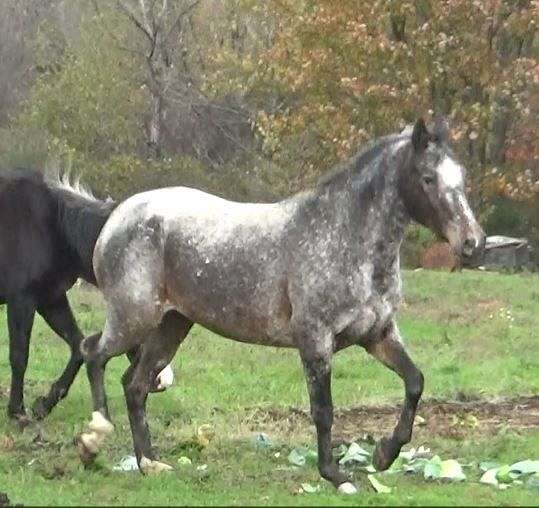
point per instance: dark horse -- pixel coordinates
(48, 231)
(318, 272)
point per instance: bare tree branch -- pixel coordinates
(145, 20)
(134, 19)
(177, 22)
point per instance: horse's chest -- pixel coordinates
(372, 313)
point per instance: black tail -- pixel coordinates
(81, 217)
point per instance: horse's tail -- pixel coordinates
(81, 216)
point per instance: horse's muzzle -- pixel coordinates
(474, 245)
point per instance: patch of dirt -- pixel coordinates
(456, 419)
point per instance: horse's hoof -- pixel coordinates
(20, 418)
(87, 457)
(88, 443)
(163, 380)
(384, 454)
(148, 466)
(100, 424)
(40, 408)
(347, 488)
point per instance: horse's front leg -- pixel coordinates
(317, 366)
(389, 349)
(20, 318)
(60, 318)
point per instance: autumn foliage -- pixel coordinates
(345, 72)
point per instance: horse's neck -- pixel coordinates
(80, 223)
(366, 212)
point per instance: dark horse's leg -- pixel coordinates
(59, 317)
(390, 351)
(20, 318)
(156, 352)
(318, 374)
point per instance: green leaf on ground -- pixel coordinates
(489, 477)
(377, 486)
(533, 481)
(525, 467)
(487, 465)
(297, 457)
(355, 454)
(262, 440)
(433, 468)
(310, 489)
(184, 461)
(437, 468)
(452, 470)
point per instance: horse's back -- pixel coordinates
(204, 215)
(26, 230)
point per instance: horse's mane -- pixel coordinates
(80, 217)
(360, 160)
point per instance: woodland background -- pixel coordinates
(254, 100)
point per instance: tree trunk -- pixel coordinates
(155, 124)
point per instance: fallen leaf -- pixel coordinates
(205, 434)
(127, 463)
(489, 477)
(355, 454)
(420, 421)
(487, 465)
(533, 481)
(452, 470)
(262, 440)
(377, 486)
(184, 461)
(525, 467)
(433, 468)
(309, 489)
(504, 475)
(296, 457)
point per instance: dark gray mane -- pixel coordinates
(345, 171)
(80, 218)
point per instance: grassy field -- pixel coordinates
(474, 335)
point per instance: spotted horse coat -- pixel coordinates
(318, 272)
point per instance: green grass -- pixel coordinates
(446, 320)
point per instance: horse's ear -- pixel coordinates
(441, 129)
(420, 135)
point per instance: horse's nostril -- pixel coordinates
(468, 247)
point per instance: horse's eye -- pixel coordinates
(428, 180)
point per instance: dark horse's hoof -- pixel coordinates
(87, 456)
(20, 417)
(385, 453)
(40, 408)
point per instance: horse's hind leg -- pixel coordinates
(97, 350)
(162, 381)
(20, 317)
(390, 351)
(60, 318)
(156, 353)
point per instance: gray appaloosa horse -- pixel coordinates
(318, 272)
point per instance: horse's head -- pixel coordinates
(432, 188)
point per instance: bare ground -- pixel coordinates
(455, 419)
